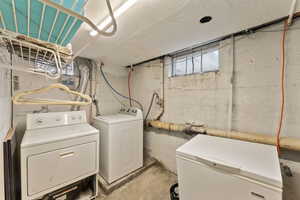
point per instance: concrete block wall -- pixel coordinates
(244, 95)
(28, 81)
(109, 103)
(5, 117)
(5, 102)
(24, 81)
(256, 87)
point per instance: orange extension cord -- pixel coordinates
(282, 80)
(129, 89)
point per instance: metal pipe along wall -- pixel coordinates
(289, 143)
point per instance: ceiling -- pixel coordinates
(156, 27)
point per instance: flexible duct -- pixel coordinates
(151, 104)
(162, 91)
(289, 143)
(96, 103)
(83, 83)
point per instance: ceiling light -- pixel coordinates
(117, 13)
(205, 19)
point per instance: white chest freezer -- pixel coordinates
(223, 169)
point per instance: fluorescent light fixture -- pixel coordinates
(125, 6)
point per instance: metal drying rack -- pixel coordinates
(40, 48)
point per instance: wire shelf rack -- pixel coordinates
(21, 55)
(36, 19)
(34, 34)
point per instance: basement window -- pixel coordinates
(196, 61)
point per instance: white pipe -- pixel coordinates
(54, 22)
(85, 19)
(42, 21)
(162, 99)
(107, 22)
(2, 21)
(65, 23)
(289, 143)
(292, 10)
(28, 17)
(14, 15)
(68, 32)
(84, 74)
(21, 48)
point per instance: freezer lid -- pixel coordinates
(116, 118)
(251, 160)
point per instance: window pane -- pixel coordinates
(189, 67)
(197, 63)
(210, 60)
(180, 66)
(200, 60)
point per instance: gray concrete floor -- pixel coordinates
(153, 184)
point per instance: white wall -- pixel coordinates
(30, 81)
(25, 81)
(204, 98)
(253, 96)
(108, 102)
(5, 116)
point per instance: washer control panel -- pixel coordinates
(131, 111)
(46, 120)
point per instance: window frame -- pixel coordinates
(191, 53)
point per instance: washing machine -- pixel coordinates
(58, 150)
(121, 143)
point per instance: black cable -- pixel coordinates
(150, 106)
(278, 30)
(118, 93)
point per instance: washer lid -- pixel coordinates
(116, 118)
(35, 137)
(255, 161)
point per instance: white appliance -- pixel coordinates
(217, 169)
(121, 143)
(58, 149)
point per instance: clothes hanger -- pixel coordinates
(20, 99)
